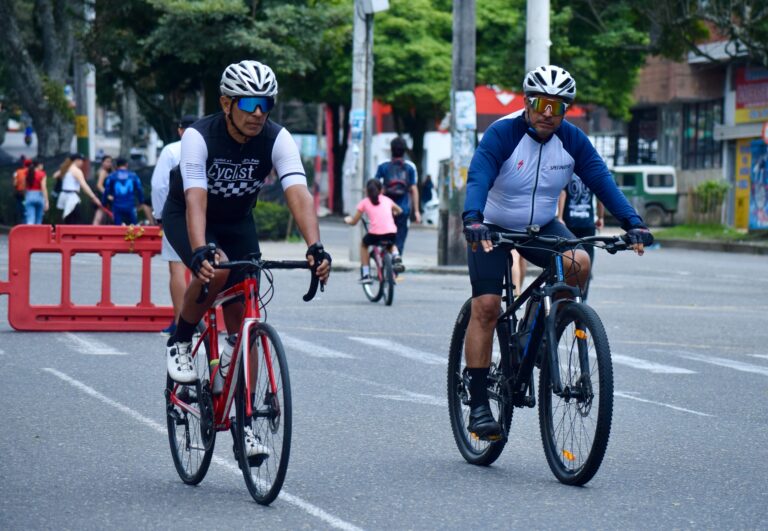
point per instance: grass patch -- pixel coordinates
(709, 232)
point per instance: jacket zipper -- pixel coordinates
(535, 184)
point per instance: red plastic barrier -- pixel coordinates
(24, 240)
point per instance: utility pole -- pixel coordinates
(451, 246)
(357, 164)
(537, 41)
(85, 97)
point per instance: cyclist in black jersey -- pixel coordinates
(225, 160)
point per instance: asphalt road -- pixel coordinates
(83, 442)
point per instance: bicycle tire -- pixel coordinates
(388, 283)
(272, 419)
(476, 452)
(375, 290)
(192, 448)
(567, 423)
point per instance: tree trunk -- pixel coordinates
(129, 119)
(40, 88)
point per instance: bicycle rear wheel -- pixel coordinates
(271, 422)
(475, 451)
(576, 424)
(375, 290)
(388, 280)
(190, 427)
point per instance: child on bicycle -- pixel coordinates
(381, 212)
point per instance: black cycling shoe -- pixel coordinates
(483, 425)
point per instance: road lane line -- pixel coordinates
(312, 349)
(670, 406)
(395, 393)
(313, 510)
(761, 356)
(728, 363)
(88, 345)
(646, 365)
(402, 350)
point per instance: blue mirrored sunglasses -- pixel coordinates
(250, 104)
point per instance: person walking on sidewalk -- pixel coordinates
(169, 158)
(105, 168)
(122, 190)
(400, 184)
(380, 210)
(36, 200)
(72, 181)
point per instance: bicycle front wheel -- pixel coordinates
(271, 422)
(375, 290)
(576, 423)
(189, 415)
(388, 282)
(475, 451)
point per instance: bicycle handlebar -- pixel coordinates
(257, 264)
(612, 244)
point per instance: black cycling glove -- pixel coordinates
(201, 254)
(475, 231)
(318, 252)
(637, 235)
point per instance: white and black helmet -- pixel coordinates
(551, 80)
(248, 78)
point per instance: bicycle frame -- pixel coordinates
(541, 292)
(248, 288)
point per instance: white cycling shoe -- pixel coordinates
(180, 366)
(253, 446)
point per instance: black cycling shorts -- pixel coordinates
(375, 239)
(237, 239)
(486, 270)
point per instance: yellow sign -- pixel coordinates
(742, 180)
(81, 126)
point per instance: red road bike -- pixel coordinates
(258, 384)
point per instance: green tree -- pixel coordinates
(412, 69)
(37, 49)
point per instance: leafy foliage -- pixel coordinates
(271, 220)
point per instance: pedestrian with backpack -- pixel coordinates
(122, 190)
(398, 176)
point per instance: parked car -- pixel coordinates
(651, 189)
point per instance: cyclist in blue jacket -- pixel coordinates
(122, 189)
(522, 163)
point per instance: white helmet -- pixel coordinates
(248, 78)
(551, 80)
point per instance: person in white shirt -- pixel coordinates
(169, 158)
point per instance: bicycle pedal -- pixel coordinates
(490, 438)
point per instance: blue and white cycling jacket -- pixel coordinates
(515, 180)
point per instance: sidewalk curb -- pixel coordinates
(715, 246)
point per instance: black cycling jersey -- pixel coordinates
(231, 172)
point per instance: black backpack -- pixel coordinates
(396, 180)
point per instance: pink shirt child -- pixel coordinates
(380, 219)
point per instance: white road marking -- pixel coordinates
(725, 362)
(761, 356)
(312, 349)
(646, 365)
(670, 406)
(416, 398)
(87, 345)
(312, 510)
(403, 350)
(395, 393)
